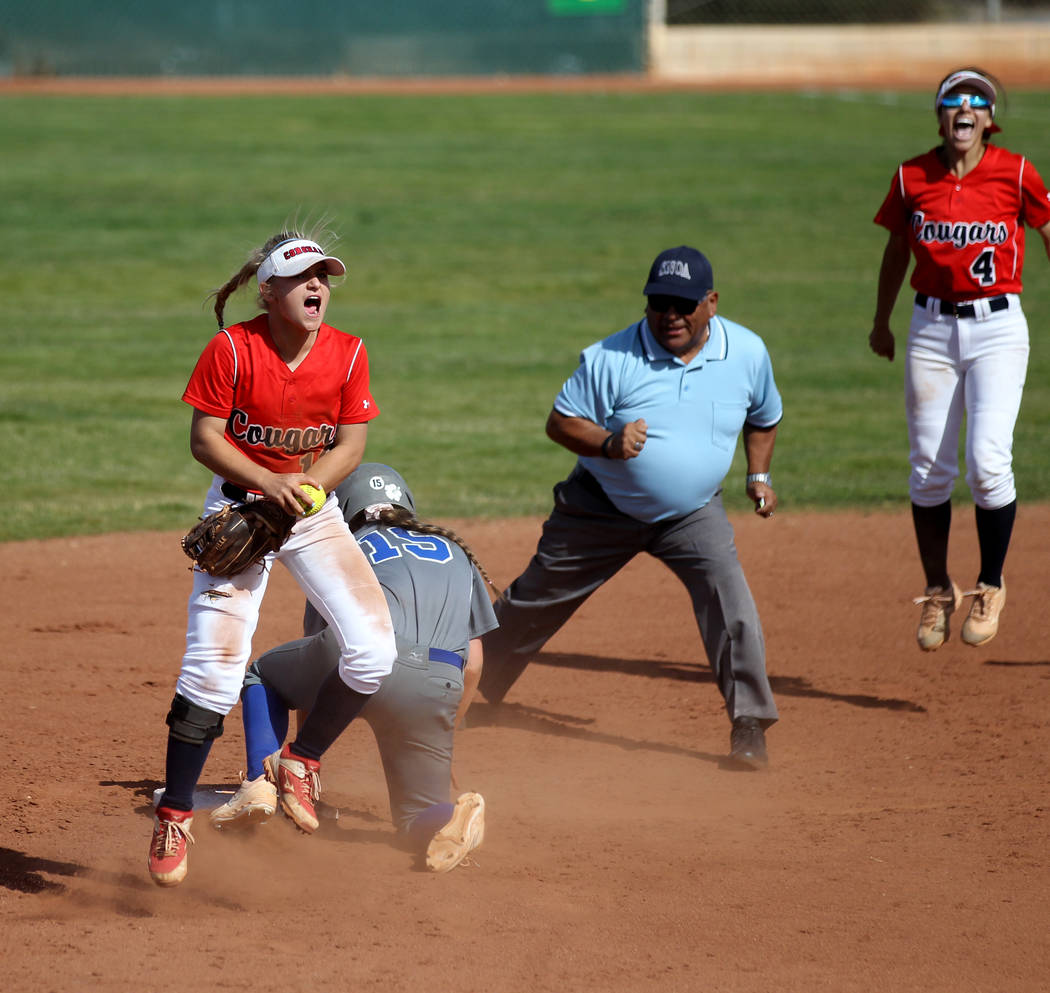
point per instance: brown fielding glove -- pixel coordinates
(238, 536)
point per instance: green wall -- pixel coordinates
(326, 37)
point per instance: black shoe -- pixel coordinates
(747, 744)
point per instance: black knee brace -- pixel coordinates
(192, 724)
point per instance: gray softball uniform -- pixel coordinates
(438, 602)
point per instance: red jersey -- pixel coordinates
(280, 418)
(967, 235)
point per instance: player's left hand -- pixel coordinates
(237, 536)
(882, 342)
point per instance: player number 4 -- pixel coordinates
(983, 268)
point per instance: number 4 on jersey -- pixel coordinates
(983, 268)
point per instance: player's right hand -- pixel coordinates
(881, 342)
(283, 489)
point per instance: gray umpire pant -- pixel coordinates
(585, 542)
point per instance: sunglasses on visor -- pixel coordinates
(975, 100)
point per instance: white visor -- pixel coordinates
(967, 77)
(291, 257)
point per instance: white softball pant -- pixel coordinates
(331, 570)
(964, 365)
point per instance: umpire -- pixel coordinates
(654, 413)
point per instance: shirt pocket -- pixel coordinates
(726, 421)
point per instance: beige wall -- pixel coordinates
(854, 55)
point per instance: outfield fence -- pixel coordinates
(323, 38)
(715, 40)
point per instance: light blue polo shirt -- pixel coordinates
(694, 413)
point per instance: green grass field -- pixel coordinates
(489, 238)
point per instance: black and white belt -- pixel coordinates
(948, 308)
(237, 493)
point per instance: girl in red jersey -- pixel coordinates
(278, 401)
(961, 209)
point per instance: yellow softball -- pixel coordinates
(316, 494)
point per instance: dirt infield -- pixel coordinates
(898, 842)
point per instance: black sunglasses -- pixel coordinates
(682, 305)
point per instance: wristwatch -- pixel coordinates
(759, 477)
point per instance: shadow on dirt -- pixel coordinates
(22, 873)
(1020, 665)
(525, 718)
(695, 673)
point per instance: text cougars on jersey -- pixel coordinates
(291, 440)
(958, 233)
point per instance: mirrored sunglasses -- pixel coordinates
(975, 100)
(682, 305)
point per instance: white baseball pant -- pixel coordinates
(964, 365)
(331, 570)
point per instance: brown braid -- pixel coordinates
(402, 517)
(251, 267)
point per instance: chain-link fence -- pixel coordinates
(851, 11)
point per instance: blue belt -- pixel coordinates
(414, 654)
(440, 655)
(948, 308)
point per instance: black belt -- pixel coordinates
(235, 493)
(238, 494)
(964, 309)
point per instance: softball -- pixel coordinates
(316, 494)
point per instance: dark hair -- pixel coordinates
(402, 517)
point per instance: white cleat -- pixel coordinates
(464, 832)
(255, 802)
